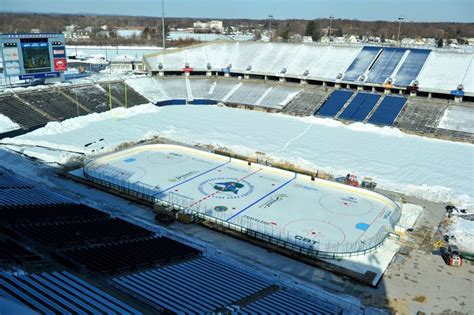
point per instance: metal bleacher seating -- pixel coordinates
(197, 286)
(334, 103)
(53, 103)
(361, 63)
(60, 293)
(411, 67)
(80, 233)
(117, 90)
(360, 106)
(283, 302)
(117, 257)
(388, 110)
(20, 113)
(385, 65)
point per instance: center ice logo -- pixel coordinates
(228, 187)
(225, 188)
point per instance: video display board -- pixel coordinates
(32, 56)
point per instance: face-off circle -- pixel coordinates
(315, 231)
(226, 188)
(346, 204)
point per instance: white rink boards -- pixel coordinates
(324, 215)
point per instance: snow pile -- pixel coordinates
(90, 143)
(432, 169)
(460, 118)
(6, 124)
(463, 231)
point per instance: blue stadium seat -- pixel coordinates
(361, 63)
(179, 287)
(388, 110)
(385, 65)
(411, 67)
(60, 293)
(334, 103)
(360, 106)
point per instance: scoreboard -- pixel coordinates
(33, 56)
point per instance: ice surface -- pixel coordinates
(409, 164)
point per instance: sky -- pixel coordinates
(390, 10)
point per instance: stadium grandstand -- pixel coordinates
(114, 253)
(46, 234)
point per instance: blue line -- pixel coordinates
(265, 196)
(189, 179)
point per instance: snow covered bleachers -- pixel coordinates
(283, 302)
(411, 66)
(361, 63)
(372, 65)
(20, 113)
(198, 286)
(149, 88)
(444, 71)
(388, 110)
(175, 88)
(360, 106)
(385, 65)
(334, 103)
(60, 293)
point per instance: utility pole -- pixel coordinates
(400, 20)
(163, 23)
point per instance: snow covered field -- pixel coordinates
(6, 124)
(432, 169)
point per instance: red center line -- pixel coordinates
(219, 191)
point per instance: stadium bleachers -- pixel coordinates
(179, 288)
(305, 103)
(388, 110)
(118, 91)
(421, 115)
(248, 93)
(175, 87)
(385, 65)
(53, 103)
(411, 67)
(279, 96)
(283, 302)
(64, 211)
(361, 63)
(200, 88)
(93, 97)
(11, 252)
(117, 257)
(60, 293)
(334, 103)
(80, 233)
(21, 113)
(360, 106)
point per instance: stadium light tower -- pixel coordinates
(330, 26)
(400, 20)
(163, 23)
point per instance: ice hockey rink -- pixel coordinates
(324, 215)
